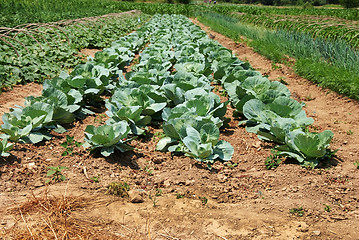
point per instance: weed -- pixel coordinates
(118, 189)
(297, 211)
(204, 200)
(281, 80)
(100, 118)
(136, 61)
(216, 89)
(148, 170)
(223, 93)
(69, 145)
(231, 165)
(308, 97)
(327, 208)
(356, 163)
(153, 199)
(158, 192)
(275, 66)
(178, 195)
(55, 173)
(159, 135)
(316, 128)
(309, 165)
(95, 179)
(350, 132)
(340, 179)
(273, 161)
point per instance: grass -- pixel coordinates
(329, 64)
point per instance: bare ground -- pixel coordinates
(243, 202)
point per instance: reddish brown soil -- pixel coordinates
(244, 202)
(17, 96)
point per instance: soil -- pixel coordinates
(175, 197)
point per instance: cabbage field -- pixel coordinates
(170, 84)
(168, 126)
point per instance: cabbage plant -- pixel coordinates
(5, 147)
(107, 138)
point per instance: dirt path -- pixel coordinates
(187, 200)
(17, 95)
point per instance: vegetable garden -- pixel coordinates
(162, 102)
(192, 114)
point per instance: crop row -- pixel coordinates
(327, 28)
(349, 14)
(171, 84)
(329, 64)
(36, 52)
(167, 86)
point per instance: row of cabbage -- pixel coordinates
(167, 86)
(270, 112)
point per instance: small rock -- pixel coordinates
(31, 165)
(39, 183)
(180, 182)
(257, 144)
(135, 197)
(222, 178)
(189, 182)
(157, 160)
(303, 227)
(317, 233)
(166, 183)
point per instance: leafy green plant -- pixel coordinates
(159, 135)
(273, 161)
(306, 147)
(327, 208)
(179, 195)
(356, 164)
(276, 66)
(5, 147)
(107, 138)
(153, 199)
(350, 132)
(158, 192)
(69, 145)
(100, 118)
(118, 189)
(55, 172)
(95, 179)
(223, 93)
(148, 170)
(297, 211)
(231, 165)
(26, 124)
(204, 200)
